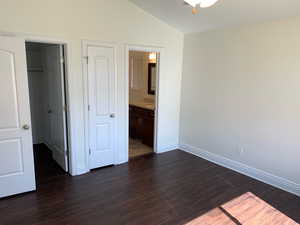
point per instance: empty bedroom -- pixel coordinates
(161, 112)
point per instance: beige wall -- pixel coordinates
(241, 96)
(117, 21)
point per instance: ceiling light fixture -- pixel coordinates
(200, 3)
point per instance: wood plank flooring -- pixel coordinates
(173, 188)
(247, 210)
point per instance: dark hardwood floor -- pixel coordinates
(172, 188)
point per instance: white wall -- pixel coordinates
(115, 21)
(241, 90)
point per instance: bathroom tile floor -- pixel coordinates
(137, 148)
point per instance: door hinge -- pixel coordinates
(62, 60)
(90, 152)
(67, 153)
(89, 108)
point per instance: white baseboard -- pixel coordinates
(81, 171)
(167, 149)
(257, 174)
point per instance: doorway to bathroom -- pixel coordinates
(143, 82)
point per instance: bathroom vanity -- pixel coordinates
(141, 123)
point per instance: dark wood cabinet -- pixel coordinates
(141, 124)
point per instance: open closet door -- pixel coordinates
(57, 104)
(16, 151)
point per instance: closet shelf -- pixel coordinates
(35, 70)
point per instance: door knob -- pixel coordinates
(26, 127)
(112, 115)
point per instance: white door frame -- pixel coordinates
(143, 48)
(66, 91)
(85, 45)
(48, 40)
(122, 67)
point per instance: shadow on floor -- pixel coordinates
(46, 168)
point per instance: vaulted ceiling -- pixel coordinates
(225, 13)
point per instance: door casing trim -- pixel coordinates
(143, 48)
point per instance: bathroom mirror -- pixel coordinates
(152, 71)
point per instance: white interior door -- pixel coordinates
(57, 104)
(101, 82)
(16, 151)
